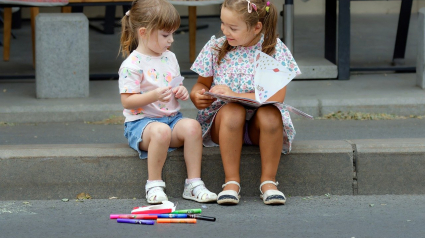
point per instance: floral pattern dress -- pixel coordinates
(237, 72)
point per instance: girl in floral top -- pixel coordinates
(152, 119)
(225, 66)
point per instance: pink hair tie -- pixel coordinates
(127, 13)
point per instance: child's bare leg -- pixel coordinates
(188, 133)
(227, 131)
(156, 140)
(266, 130)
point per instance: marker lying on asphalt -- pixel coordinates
(167, 220)
(196, 216)
(135, 221)
(189, 211)
(206, 218)
(134, 216)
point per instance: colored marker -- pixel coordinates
(172, 216)
(147, 216)
(134, 221)
(189, 211)
(133, 216)
(206, 218)
(167, 220)
(196, 216)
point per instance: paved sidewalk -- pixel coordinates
(377, 93)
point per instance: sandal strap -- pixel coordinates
(200, 192)
(150, 185)
(268, 182)
(232, 182)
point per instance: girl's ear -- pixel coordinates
(258, 27)
(142, 31)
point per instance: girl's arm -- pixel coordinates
(136, 100)
(279, 96)
(197, 96)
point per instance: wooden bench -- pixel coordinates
(67, 9)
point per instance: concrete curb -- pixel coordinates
(392, 94)
(94, 112)
(313, 168)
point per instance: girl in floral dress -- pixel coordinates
(225, 66)
(153, 122)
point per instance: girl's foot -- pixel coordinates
(155, 192)
(229, 196)
(197, 191)
(272, 196)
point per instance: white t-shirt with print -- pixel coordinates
(141, 73)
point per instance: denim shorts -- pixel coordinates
(133, 131)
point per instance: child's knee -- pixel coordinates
(192, 128)
(233, 115)
(161, 133)
(270, 119)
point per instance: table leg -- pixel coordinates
(402, 32)
(34, 13)
(344, 21)
(288, 24)
(66, 9)
(330, 30)
(192, 33)
(7, 32)
(109, 22)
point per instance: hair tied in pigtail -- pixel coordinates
(267, 6)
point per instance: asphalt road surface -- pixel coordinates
(387, 216)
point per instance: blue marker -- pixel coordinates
(171, 215)
(135, 221)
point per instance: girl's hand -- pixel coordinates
(222, 89)
(180, 92)
(200, 100)
(163, 94)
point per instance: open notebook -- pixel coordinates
(270, 77)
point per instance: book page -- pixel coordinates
(270, 76)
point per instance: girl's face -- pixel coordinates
(236, 30)
(158, 42)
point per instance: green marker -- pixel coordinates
(189, 211)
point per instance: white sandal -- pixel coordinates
(229, 196)
(202, 193)
(155, 192)
(272, 196)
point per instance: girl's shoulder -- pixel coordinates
(280, 46)
(169, 53)
(216, 42)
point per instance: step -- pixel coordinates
(313, 67)
(339, 167)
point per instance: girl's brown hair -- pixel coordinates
(266, 13)
(151, 14)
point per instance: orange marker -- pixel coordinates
(166, 220)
